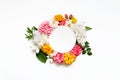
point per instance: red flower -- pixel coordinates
(62, 23)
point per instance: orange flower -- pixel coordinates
(46, 48)
(59, 17)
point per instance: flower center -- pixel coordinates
(62, 39)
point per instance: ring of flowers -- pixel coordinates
(40, 44)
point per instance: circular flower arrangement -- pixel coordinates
(40, 44)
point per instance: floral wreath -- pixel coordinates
(40, 44)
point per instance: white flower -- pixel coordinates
(80, 33)
(39, 39)
(69, 23)
(35, 49)
(50, 61)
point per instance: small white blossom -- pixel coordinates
(50, 61)
(35, 49)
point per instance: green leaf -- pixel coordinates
(34, 28)
(28, 30)
(87, 28)
(84, 52)
(86, 44)
(89, 53)
(88, 49)
(41, 56)
(26, 35)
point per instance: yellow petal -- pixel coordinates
(74, 20)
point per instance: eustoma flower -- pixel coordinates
(45, 28)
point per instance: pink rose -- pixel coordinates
(45, 28)
(77, 50)
(58, 58)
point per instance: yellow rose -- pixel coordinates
(46, 48)
(59, 17)
(69, 58)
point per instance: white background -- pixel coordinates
(17, 62)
